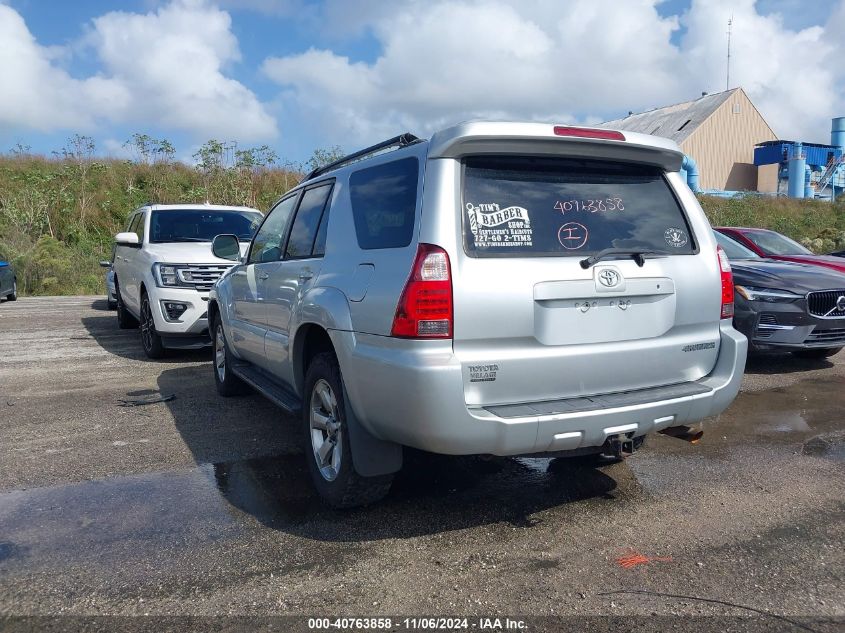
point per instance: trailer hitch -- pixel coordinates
(618, 446)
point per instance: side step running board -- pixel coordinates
(268, 388)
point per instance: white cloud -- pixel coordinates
(270, 7)
(165, 68)
(449, 60)
(790, 75)
(37, 93)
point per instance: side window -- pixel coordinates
(130, 221)
(307, 222)
(384, 202)
(322, 232)
(138, 227)
(267, 244)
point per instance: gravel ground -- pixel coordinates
(201, 505)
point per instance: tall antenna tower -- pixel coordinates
(728, 77)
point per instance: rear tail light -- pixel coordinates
(583, 132)
(425, 307)
(727, 284)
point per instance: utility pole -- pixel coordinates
(728, 78)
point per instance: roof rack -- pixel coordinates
(403, 140)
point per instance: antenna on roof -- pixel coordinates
(728, 77)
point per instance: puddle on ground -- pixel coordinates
(122, 518)
(808, 407)
(829, 445)
(133, 517)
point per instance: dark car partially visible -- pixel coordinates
(8, 282)
(786, 306)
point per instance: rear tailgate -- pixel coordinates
(532, 324)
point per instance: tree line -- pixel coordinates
(59, 213)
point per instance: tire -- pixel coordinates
(13, 296)
(150, 339)
(125, 321)
(323, 424)
(823, 352)
(228, 384)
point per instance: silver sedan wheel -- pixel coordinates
(326, 430)
(220, 353)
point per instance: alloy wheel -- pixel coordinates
(326, 438)
(148, 325)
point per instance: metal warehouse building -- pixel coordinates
(718, 131)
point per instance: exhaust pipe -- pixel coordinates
(684, 433)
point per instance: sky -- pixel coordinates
(298, 75)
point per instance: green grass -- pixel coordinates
(58, 216)
(818, 225)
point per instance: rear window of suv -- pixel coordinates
(518, 206)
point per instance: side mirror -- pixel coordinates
(105, 263)
(226, 247)
(127, 239)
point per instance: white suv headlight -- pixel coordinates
(167, 275)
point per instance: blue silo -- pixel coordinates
(797, 170)
(837, 132)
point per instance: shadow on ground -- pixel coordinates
(127, 343)
(259, 468)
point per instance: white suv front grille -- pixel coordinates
(202, 276)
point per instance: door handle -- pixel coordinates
(264, 276)
(305, 274)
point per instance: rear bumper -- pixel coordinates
(411, 392)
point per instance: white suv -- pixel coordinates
(164, 269)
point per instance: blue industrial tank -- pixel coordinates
(837, 132)
(797, 169)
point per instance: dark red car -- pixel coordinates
(773, 245)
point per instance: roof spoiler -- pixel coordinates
(537, 139)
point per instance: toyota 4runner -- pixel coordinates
(502, 288)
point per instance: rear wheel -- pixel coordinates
(824, 352)
(125, 321)
(228, 384)
(13, 296)
(150, 338)
(327, 447)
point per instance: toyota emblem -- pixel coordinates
(610, 278)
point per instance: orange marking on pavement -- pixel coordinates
(633, 559)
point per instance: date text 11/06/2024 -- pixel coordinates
(417, 624)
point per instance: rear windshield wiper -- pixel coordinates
(638, 255)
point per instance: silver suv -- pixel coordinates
(502, 288)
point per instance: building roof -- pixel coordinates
(676, 122)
